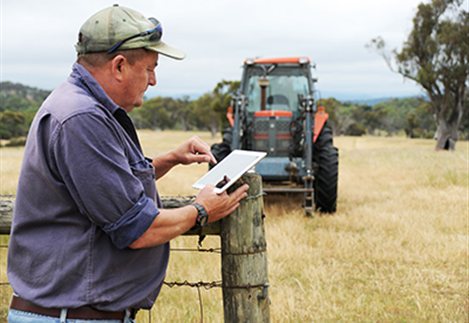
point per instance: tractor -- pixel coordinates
(275, 111)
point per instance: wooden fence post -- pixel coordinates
(244, 259)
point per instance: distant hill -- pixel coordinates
(19, 97)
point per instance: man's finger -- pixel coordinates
(238, 194)
(197, 158)
(232, 209)
(210, 158)
(203, 149)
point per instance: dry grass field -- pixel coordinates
(396, 250)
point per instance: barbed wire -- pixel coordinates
(205, 285)
(246, 253)
(262, 193)
(213, 284)
(209, 250)
(198, 285)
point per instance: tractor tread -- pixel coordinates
(326, 156)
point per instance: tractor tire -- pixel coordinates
(223, 149)
(326, 158)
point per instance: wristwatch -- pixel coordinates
(202, 215)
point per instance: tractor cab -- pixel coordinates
(274, 90)
(276, 85)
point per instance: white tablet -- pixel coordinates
(230, 169)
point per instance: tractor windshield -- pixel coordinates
(285, 86)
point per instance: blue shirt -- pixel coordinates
(85, 193)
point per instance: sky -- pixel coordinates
(37, 41)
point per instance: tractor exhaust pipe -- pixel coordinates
(263, 83)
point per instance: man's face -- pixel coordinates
(141, 75)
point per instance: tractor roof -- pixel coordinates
(278, 60)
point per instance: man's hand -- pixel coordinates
(194, 150)
(171, 223)
(220, 205)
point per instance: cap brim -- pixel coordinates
(166, 50)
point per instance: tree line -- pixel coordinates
(18, 105)
(204, 113)
(411, 117)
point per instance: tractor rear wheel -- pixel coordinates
(223, 149)
(326, 158)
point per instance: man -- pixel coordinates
(89, 238)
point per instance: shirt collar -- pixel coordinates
(81, 77)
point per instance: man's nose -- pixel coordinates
(152, 79)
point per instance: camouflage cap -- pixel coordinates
(120, 25)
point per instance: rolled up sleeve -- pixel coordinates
(133, 223)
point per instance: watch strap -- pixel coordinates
(202, 215)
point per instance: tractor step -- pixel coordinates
(287, 190)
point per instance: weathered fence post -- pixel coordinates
(244, 259)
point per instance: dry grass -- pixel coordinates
(396, 250)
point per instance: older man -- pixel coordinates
(89, 238)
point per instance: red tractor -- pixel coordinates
(275, 111)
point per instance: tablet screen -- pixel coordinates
(230, 169)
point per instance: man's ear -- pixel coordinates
(118, 67)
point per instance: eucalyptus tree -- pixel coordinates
(436, 56)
